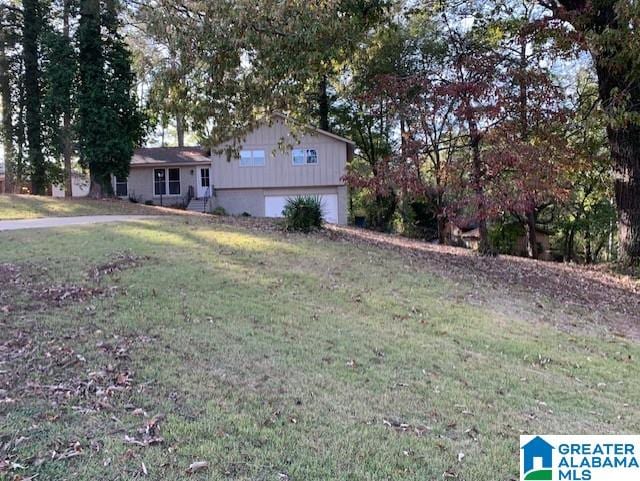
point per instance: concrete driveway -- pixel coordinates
(46, 222)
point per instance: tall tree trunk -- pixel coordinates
(588, 257)
(180, 129)
(624, 142)
(523, 100)
(95, 187)
(484, 247)
(7, 111)
(617, 76)
(67, 147)
(32, 17)
(532, 238)
(323, 104)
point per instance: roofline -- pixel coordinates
(316, 129)
(191, 163)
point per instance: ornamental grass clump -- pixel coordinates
(303, 213)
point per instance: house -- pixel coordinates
(537, 454)
(80, 185)
(169, 176)
(509, 239)
(273, 165)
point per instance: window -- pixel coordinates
(252, 158)
(174, 181)
(204, 177)
(166, 180)
(305, 156)
(121, 187)
(159, 179)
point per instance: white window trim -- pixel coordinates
(306, 157)
(264, 157)
(166, 182)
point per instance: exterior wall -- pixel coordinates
(80, 185)
(140, 185)
(238, 201)
(279, 170)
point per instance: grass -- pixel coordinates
(31, 207)
(277, 357)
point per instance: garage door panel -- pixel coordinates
(274, 205)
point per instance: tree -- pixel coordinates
(59, 68)
(242, 59)
(610, 29)
(9, 23)
(587, 220)
(31, 31)
(110, 124)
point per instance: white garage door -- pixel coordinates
(274, 204)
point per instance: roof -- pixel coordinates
(169, 156)
(315, 129)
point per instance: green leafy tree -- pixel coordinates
(59, 73)
(110, 123)
(32, 15)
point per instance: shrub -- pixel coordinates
(303, 213)
(148, 202)
(219, 211)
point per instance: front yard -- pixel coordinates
(135, 350)
(32, 207)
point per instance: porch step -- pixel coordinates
(197, 205)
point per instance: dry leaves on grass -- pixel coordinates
(149, 434)
(405, 428)
(121, 262)
(590, 288)
(28, 288)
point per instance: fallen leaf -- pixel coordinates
(197, 466)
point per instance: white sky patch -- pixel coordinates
(467, 23)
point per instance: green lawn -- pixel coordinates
(277, 357)
(31, 206)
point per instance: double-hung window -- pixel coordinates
(252, 158)
(122, 189)
(174, 181)
(166, 181)
(305, 156)
(159, 182)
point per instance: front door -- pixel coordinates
(203, 183)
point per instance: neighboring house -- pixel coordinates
(468, 235)
(257, 183)
(80, 185)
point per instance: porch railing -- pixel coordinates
(206, 197)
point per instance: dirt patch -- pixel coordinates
(574, 288)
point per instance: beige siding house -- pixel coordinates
(166, 176)
(274, 164)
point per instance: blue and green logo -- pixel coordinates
(537, 459)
